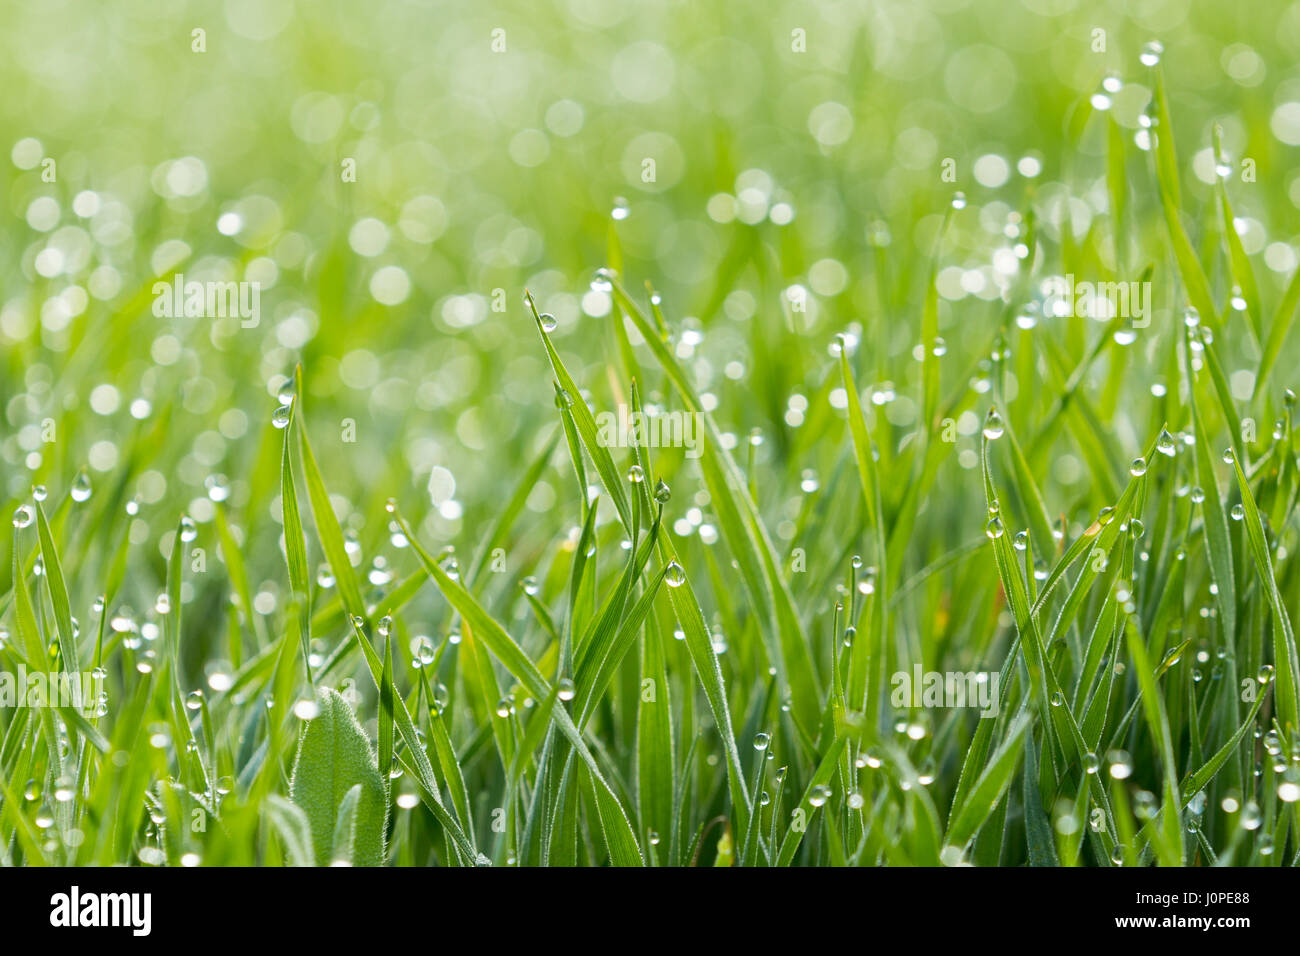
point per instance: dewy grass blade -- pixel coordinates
(68, 658)
(620, 839)
(1214, 517)
(295, 544)
(1285, 665)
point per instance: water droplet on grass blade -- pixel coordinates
(1251, 817)
(549, 322)
(674, 575)
(81, 489)
(422, 651)
(218, 487)
(1121, 764)
(280, 417)
(993, 426)
(306, 709)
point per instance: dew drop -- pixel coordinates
(423, 651)
(993, 426)
(1151, 53)
(80, 490)
(1251, 817)
(662, 492)
(218, 487)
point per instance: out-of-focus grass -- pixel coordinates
(513, 632)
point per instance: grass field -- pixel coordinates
(656, 434)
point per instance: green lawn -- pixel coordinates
(649, 434)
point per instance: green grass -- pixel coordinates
(366, 584)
